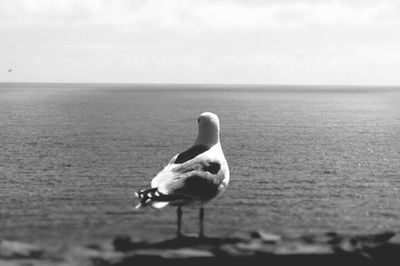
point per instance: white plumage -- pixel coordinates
(194, 177)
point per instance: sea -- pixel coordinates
(303, 159)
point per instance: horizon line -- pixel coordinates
(161, 84)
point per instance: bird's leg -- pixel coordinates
(179, 222)
(201, 218)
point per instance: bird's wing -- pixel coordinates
(173, 159)
(189, 154)
(200, 177)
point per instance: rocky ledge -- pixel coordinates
(259, 248)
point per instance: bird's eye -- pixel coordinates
(198, 120)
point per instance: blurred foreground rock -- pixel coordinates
(259, 248)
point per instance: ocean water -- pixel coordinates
(302, 159)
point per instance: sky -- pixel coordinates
(342, 42)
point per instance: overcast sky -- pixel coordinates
(175, 41)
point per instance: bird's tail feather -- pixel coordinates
(151, 197)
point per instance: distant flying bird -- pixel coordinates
(10, 70)
(191, 178)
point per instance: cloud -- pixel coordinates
(269, 41)
(297, 65)
(196, 15)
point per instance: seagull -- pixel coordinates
(192, 178)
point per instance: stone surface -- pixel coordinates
(259, 248)
(14, 249)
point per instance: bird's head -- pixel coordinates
(208, 133)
